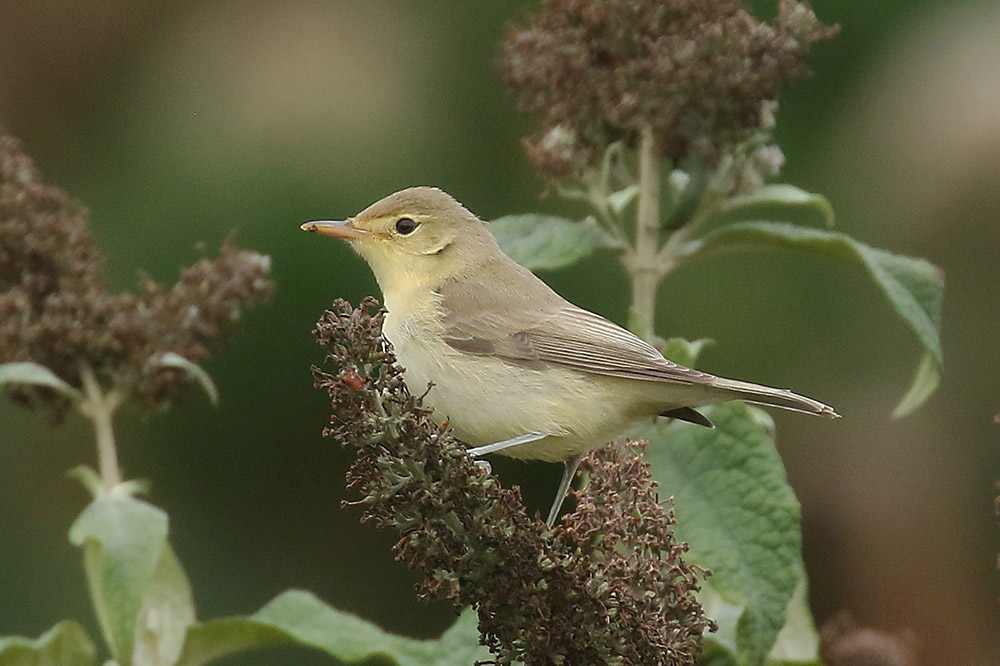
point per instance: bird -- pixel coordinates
(515, 368)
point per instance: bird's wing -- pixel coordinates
(542, 329)
(512, 315)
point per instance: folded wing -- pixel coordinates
(525, 324)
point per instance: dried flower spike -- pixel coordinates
(56, 311)
(703, 76)
(608, 586)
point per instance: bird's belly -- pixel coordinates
(487, 400)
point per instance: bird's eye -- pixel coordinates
(405, 225)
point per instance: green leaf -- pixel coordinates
(299, 617)
(798, 640)
(720, 645)
(36, 375)
(797, 643)
(778, 202)
(542, 242)
(914, 287)
(195, 371)
(65, 644)
(88, 478)
(619, 201)
(738, 513)
(167, 612)
(926, 381)
(123, 541)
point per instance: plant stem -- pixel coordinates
(100, 408)
(598, 199)
(642, 263)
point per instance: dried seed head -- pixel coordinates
(704, 76)
(56, 311)
(609, 586)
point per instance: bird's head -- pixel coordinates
(414, 235)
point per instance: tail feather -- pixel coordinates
(773, 397)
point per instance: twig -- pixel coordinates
(99, 408)
(643, 264)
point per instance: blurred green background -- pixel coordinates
(177, 122)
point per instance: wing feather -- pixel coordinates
(578, 339)
(516, 317)
(541, 328)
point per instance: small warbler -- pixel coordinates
(516, 369)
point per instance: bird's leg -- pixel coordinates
(506, 444)
(569, 471)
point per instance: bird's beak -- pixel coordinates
(337, 228)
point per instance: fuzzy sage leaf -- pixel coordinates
(778, 202)
(544, 242)
(123, 541)
(193, 370)
(65, 644)
(33, 374)
(167, 612)
(914, 287)
(297, 617)
(925, 382)
(798, 641)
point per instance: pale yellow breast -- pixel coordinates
(487, 400)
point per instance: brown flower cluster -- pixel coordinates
(56, 311)
(703, 76)
(607, 586)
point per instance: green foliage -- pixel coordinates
(299, 617)
(914, 287)
(797, 643)
(738, 513)
(123, 541)
(925, 382)
(166, 614)
(143, 601)
(33, 374)
(65, 644)
(193, 370)
(620, 200)
(543, 242)
(798, 640)
(776, 202)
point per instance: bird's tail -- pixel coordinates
(773, 397)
